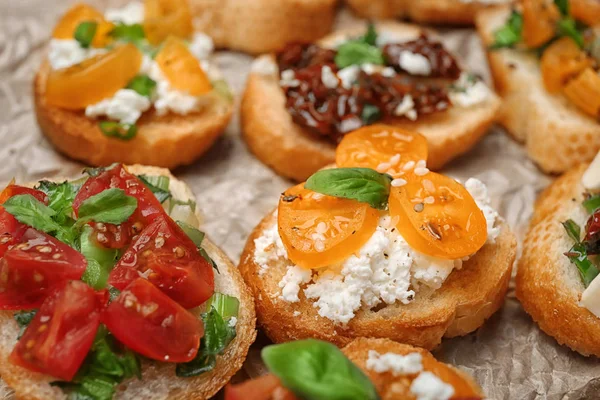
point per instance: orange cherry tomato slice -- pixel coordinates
(539, 21)
(380, 147)
(182, 69)
(587, 11)
(94, 79)
(319, 230)
(437, 216)
(584, 92)
(561, 61)
(164, 18)
(65, 29)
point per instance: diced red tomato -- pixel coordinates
(149, 322)
(167, 257)
(593, 226)
(262, 388)
(11, 230)
(116, 237)
(60, 335)
(32, 268)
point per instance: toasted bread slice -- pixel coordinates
(168, 141)
(451, 12)
(556, 133)
(158, 379)
(392, 387)
(467, 298)
(296, 153)
(548, 285)
(265, 25)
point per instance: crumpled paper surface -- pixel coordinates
(509, 356)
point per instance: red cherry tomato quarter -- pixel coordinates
(149, 322)
(30, 269)
(60, 335)
(116, 237)
(167, 257)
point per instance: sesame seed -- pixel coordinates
(428, 185)
(381, 134)
(44, 249)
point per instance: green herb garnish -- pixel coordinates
(159, 185)
(128, 33)
(197, 237)
(143, 85)
(23, 319)
(578, 254)
(118, 130)
(511, 33)
(85, 32)
(362, 50)
(111, 206)
(100, 260)
(370, 114)
(568, 27)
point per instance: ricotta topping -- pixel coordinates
(132, 13)
(386, 269)
(126, 106)
(406, 108)
(329, 78)
(264, 65)
(397, 364)
(428, 386)
(64, 53)
(415, 64)
(591, 176)
(201, 46)
(469, 91)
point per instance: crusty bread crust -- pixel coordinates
(557, 134)
(547, 284)
(467, 298)
(450, 12)
(168, 141)
(261, 26)
(390, 387)
(159, 380)
(296, 153)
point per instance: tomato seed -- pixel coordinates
(42, 328)
(5, 239)
(44, 249)
(137, 227)
(38, 277)
(30, 343)
(56, 256)
(419, 207)
(179, 252)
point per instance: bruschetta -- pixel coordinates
(300, 103)
(379, 246)
(544, 58)
(366, 369)
(109, 290)
(132, 85)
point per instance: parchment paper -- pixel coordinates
(509, 356)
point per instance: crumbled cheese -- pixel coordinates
(414, 63)
(350, 124)
(479, 192)
(469, 91)
(428, 386)
(66, 53)
(388, 72)
(591, 177)
(132, 13)
(291, 282)
(232, 322)
(201, 46)
(397, 364)
(126, 106)
(288, 79)
(348, 75)
(264, 65)
(268, 247)
(167, 99)
(328, 77)
(406, 108)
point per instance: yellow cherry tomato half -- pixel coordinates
(164, 18)
(539, 21)
(182, 69)
(94, 79)
(383, 148)
(319, 230)
(560, 62)
(65, 29)
(437, 216)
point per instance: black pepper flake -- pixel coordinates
(288, 199)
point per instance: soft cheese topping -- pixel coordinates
(397, 364)
(386, 269)
(591, 177)
(428, 386)
(132, 13)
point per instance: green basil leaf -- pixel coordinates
(222, 88)
(578, 256)
(356, 52)
(159, 185)
(23, 319)
(60, 197)
(511, 33)
(118, 130)
(573, 230)
(197, 237)
(227, 306)
(316, 370)
(563, 6)
(111, 206)
(143, 85)
(360, 184)
(370, 37)
(370, 114)
(100, 260)
(113, 293)
(85, 32)
(29, 211)
(568, 27)
(592, 204)
(128, 33)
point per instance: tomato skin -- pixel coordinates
(60, 335)
(14, 190)
(262, 388)
(171, 262)
(149, 322)
(31, 269)
(148, 208)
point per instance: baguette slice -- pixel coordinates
(451, 12)
(262, 26)
(392, 387)
(168, 141)
(467, 298)
(557, 134)
(158, 379)
(547, 284)
(296, 153)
